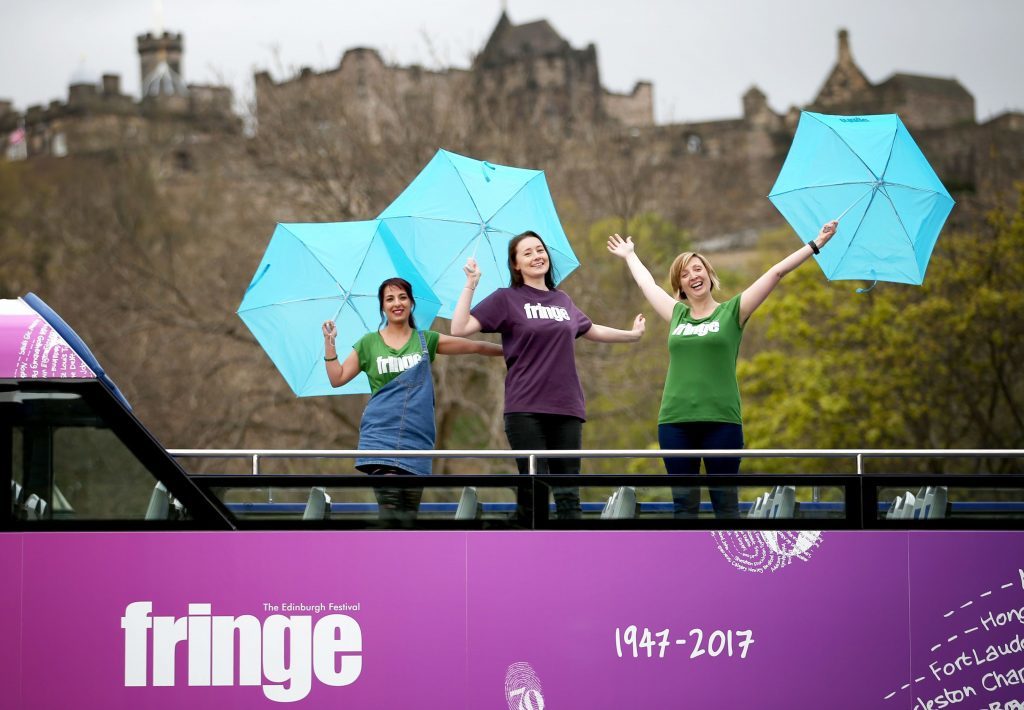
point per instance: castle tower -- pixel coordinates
(160, 63)
(846, 86)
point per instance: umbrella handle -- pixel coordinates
(865, 290)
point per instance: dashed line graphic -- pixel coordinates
(954, 637)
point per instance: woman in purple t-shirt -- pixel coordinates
(544, 407)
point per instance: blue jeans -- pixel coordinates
(702, 435)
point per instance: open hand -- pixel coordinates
(620, 247)
(639, 324)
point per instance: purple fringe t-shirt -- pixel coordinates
(538, 333)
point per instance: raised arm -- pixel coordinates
(660, 300)
(338, 372)
(604, 334)
(758, 291)
(463, 323)
(450, 345)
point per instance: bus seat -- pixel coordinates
(919, 502)
(34, 507)
(159, 507)
(939, 503)
(785, 502)
(318, 506)
(164, 506)
(909, 504)
(16, 495)
(894, 509)
(469, 507)
(621, 504)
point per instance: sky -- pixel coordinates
(701, 55)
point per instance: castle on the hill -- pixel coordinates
(97, 116)
(709, 172)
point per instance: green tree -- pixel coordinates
(935, 366)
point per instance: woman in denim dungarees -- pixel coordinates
(400, 413)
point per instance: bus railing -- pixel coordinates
(858, 456)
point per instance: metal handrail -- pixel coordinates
(858, 455)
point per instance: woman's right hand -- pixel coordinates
(472, 272)
(330, 332)
(620, 247)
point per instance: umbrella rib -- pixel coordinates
(812, 187)
(303, 300)
(469, 194)
(515, 194)
(855, 233)
(429, 219)
(359, 315)
(892, 146)
(855, 153)
(899, 219)
(455, 258)
(911, 187)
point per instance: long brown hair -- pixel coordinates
(516, 277)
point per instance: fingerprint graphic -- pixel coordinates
(766, 550)
(522, 688)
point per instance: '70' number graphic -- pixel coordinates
(529, 699)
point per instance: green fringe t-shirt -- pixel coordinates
(701, 382)
(383, 364)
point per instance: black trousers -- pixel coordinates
(549, 431)
(399, 505)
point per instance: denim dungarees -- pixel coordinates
(401, 416)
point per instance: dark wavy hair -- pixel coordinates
(405, 286)
(516, 277)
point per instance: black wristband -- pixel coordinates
(330, 359)
(814, 247)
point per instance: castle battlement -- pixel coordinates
(97, 116)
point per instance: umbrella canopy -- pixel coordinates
(311, 273)
(869, 173)
(459, 207)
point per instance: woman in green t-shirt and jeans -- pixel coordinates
(700, 407)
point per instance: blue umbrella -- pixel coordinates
(867, 172)
(311, 273)
(459, 207)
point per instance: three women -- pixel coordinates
(544, 403)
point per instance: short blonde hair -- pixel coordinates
(675, 273)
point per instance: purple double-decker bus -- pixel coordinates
(129, 582)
